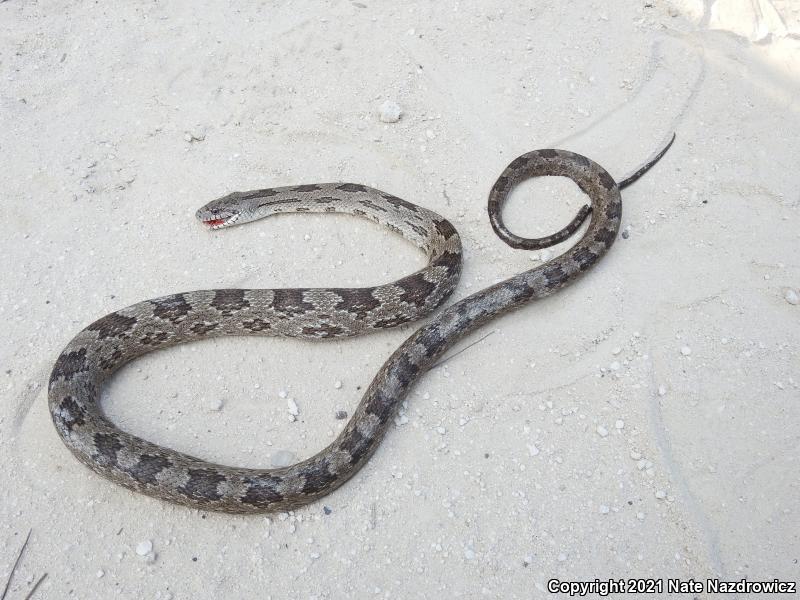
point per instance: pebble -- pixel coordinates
(214, 404)
(792, 297)
(341, 414)
(686, 351)
(533, 450)
(440, 430)
(390, 112)
(661, 494)
(400, 420)
(604, 509)
(640, 516)
(562, 557)
(292, 405)
(100, 573)
(337, 384)
(283, 458)
(662, 390)
(283, 394)
(614, 366)
(602, 431)
(469, 554)
(545, 255)
(636, 455)
(144, 548)
(616, 351)
(619, 424)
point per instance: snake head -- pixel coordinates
(224, 211)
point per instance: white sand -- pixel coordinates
(528, 457)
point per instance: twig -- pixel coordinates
(16, 562)
(35, 585)
(464, 349)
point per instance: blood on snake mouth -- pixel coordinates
(215, 222)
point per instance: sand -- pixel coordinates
(641, 423)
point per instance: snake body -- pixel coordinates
(119, 337)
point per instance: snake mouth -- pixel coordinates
(217, 222)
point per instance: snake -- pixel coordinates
(117, 338)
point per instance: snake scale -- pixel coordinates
(121, 336)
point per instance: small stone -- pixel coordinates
(545, 255)
(214, 404)
(686, 351)
(400, 420)
(100, 573)
(562, 557)
(390, 112)
(533, 450)
(337, 384)
(602, 431)
(635, 455)
(283, 458)
(441, 430)
(604, 509)
(469, 554)
(327, 510)
(616, 351)
(614, 366)
(341, 414)
(283, 394)
(661, 494)
(144, 548)
(292, 406)
(791, 297)
(187, 137)
(640, 516)
(662, 390)
(619, 424)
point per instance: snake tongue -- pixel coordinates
(214, 222)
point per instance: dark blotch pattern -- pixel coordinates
(112, 325)
(111, 360)
(154, 338)
(228, 301)
(357, 301)
(399, 202)
(310, 187)
(261, 492)
(202, 328)
(256, 325)
(415, 289)
(317, 476)
(355, 445)
(445, 229)
(324, 330)
(71, 414)
(606, 180)
(606, 237)
(148, 467)
(106, 447)
(370, 204)
(69, 364)
(555, 275)
(171, 308)
(351, 187)
(290, 302)
(202, 484)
